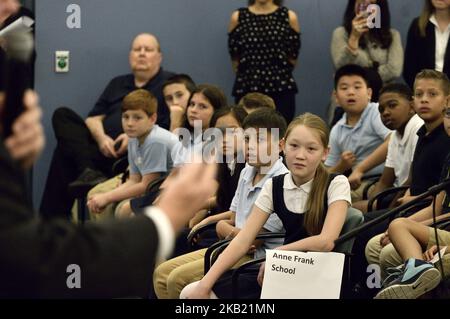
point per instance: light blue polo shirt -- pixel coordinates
(154, 155)
(362, 139)
(246, 195)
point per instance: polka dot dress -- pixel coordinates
(263, 45)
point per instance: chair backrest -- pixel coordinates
(354, 219)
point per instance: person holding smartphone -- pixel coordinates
(378, 50)
(357, 43)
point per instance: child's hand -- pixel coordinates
(260, 277)
(347, 160)
(355, 179)
(225, 230)
(97, 203)
(252, 250)
(204, 222)
(385, 240)
(429, 254)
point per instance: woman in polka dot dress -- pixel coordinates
(264, 42)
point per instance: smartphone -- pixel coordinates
(362, 8)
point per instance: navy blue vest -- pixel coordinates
(292, 222)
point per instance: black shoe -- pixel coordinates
(88, 179)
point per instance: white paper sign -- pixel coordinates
(298, 275)
(23, 24)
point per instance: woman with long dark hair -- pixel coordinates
(356, 42)
(427, 45)
(264, 42)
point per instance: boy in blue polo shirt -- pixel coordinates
(360, 131)
(149, 153)
(263, 163)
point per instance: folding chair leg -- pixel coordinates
(82, 209)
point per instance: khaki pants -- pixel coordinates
(173, 275)
(104, 187)
(357, 194)
(385, 257)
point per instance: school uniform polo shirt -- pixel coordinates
(154, 155)
(245, 197)
(362, 139)
(401, 150)
(429, 158)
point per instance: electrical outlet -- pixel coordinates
(62, 59)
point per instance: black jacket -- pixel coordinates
(420, 52)
(116, 259)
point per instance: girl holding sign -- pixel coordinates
(311, 204)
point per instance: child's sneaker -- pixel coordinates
(418, 277)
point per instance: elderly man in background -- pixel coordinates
(86, 150)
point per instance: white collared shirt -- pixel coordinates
(295, 197)
(401, 150)
(441, 43)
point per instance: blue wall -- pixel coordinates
(193, 39)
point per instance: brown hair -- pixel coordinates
(424, 17)
(256, 100)
(140, 100)
(315, 216)
(434, 75)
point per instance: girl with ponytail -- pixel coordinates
(311, 203)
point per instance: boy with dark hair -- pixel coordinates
(263, 163)
(360, 131)
(396, 108)
(176, 91)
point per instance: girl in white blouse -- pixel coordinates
(311, 204)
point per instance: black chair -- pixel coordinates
(80, 192)
(354, 219)
(382, 195)
(372, 180)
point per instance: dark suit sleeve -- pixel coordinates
(116, 259)
(411, 60)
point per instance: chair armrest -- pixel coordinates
(211, 255)
(443, 223)
(198, 231)
(373, 179)
(155, 184)
(120, 166)
(420, 205)
(384, 193)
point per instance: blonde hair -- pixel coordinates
(315, 216)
